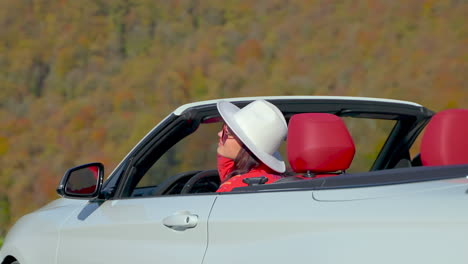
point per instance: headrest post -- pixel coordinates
(309, 174)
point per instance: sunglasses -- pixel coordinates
(225, 134)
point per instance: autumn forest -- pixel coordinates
(83, 81)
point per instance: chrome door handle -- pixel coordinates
(181, 220)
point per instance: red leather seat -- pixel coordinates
(445, 140)
(319, 144)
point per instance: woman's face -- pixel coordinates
(228, 146)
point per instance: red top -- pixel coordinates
(226, 165)
(237, 181)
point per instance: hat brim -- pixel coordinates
(227, 111)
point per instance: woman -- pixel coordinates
(248, 143)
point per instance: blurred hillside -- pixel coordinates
(83, 81)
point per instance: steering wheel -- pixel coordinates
(188, 187)
(166, 185)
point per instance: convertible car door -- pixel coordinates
(170, 229)
(265, 227)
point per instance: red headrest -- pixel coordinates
(445, 141)
(319, 142)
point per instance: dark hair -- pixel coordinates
(244, 162)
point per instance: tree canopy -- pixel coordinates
(84, 80)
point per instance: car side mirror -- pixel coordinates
(82, 182)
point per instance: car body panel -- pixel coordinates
(419, 226)
(348, 194)
(425, 225)
(135, 225)
(38, 233)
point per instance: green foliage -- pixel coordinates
(84, 80)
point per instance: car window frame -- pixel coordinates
(410, 120)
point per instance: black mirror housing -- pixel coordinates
(82, 182)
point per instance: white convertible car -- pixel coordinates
(393, 201)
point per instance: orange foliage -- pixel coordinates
(250, 49)
(95, 104)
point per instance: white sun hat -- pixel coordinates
(260, 126)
